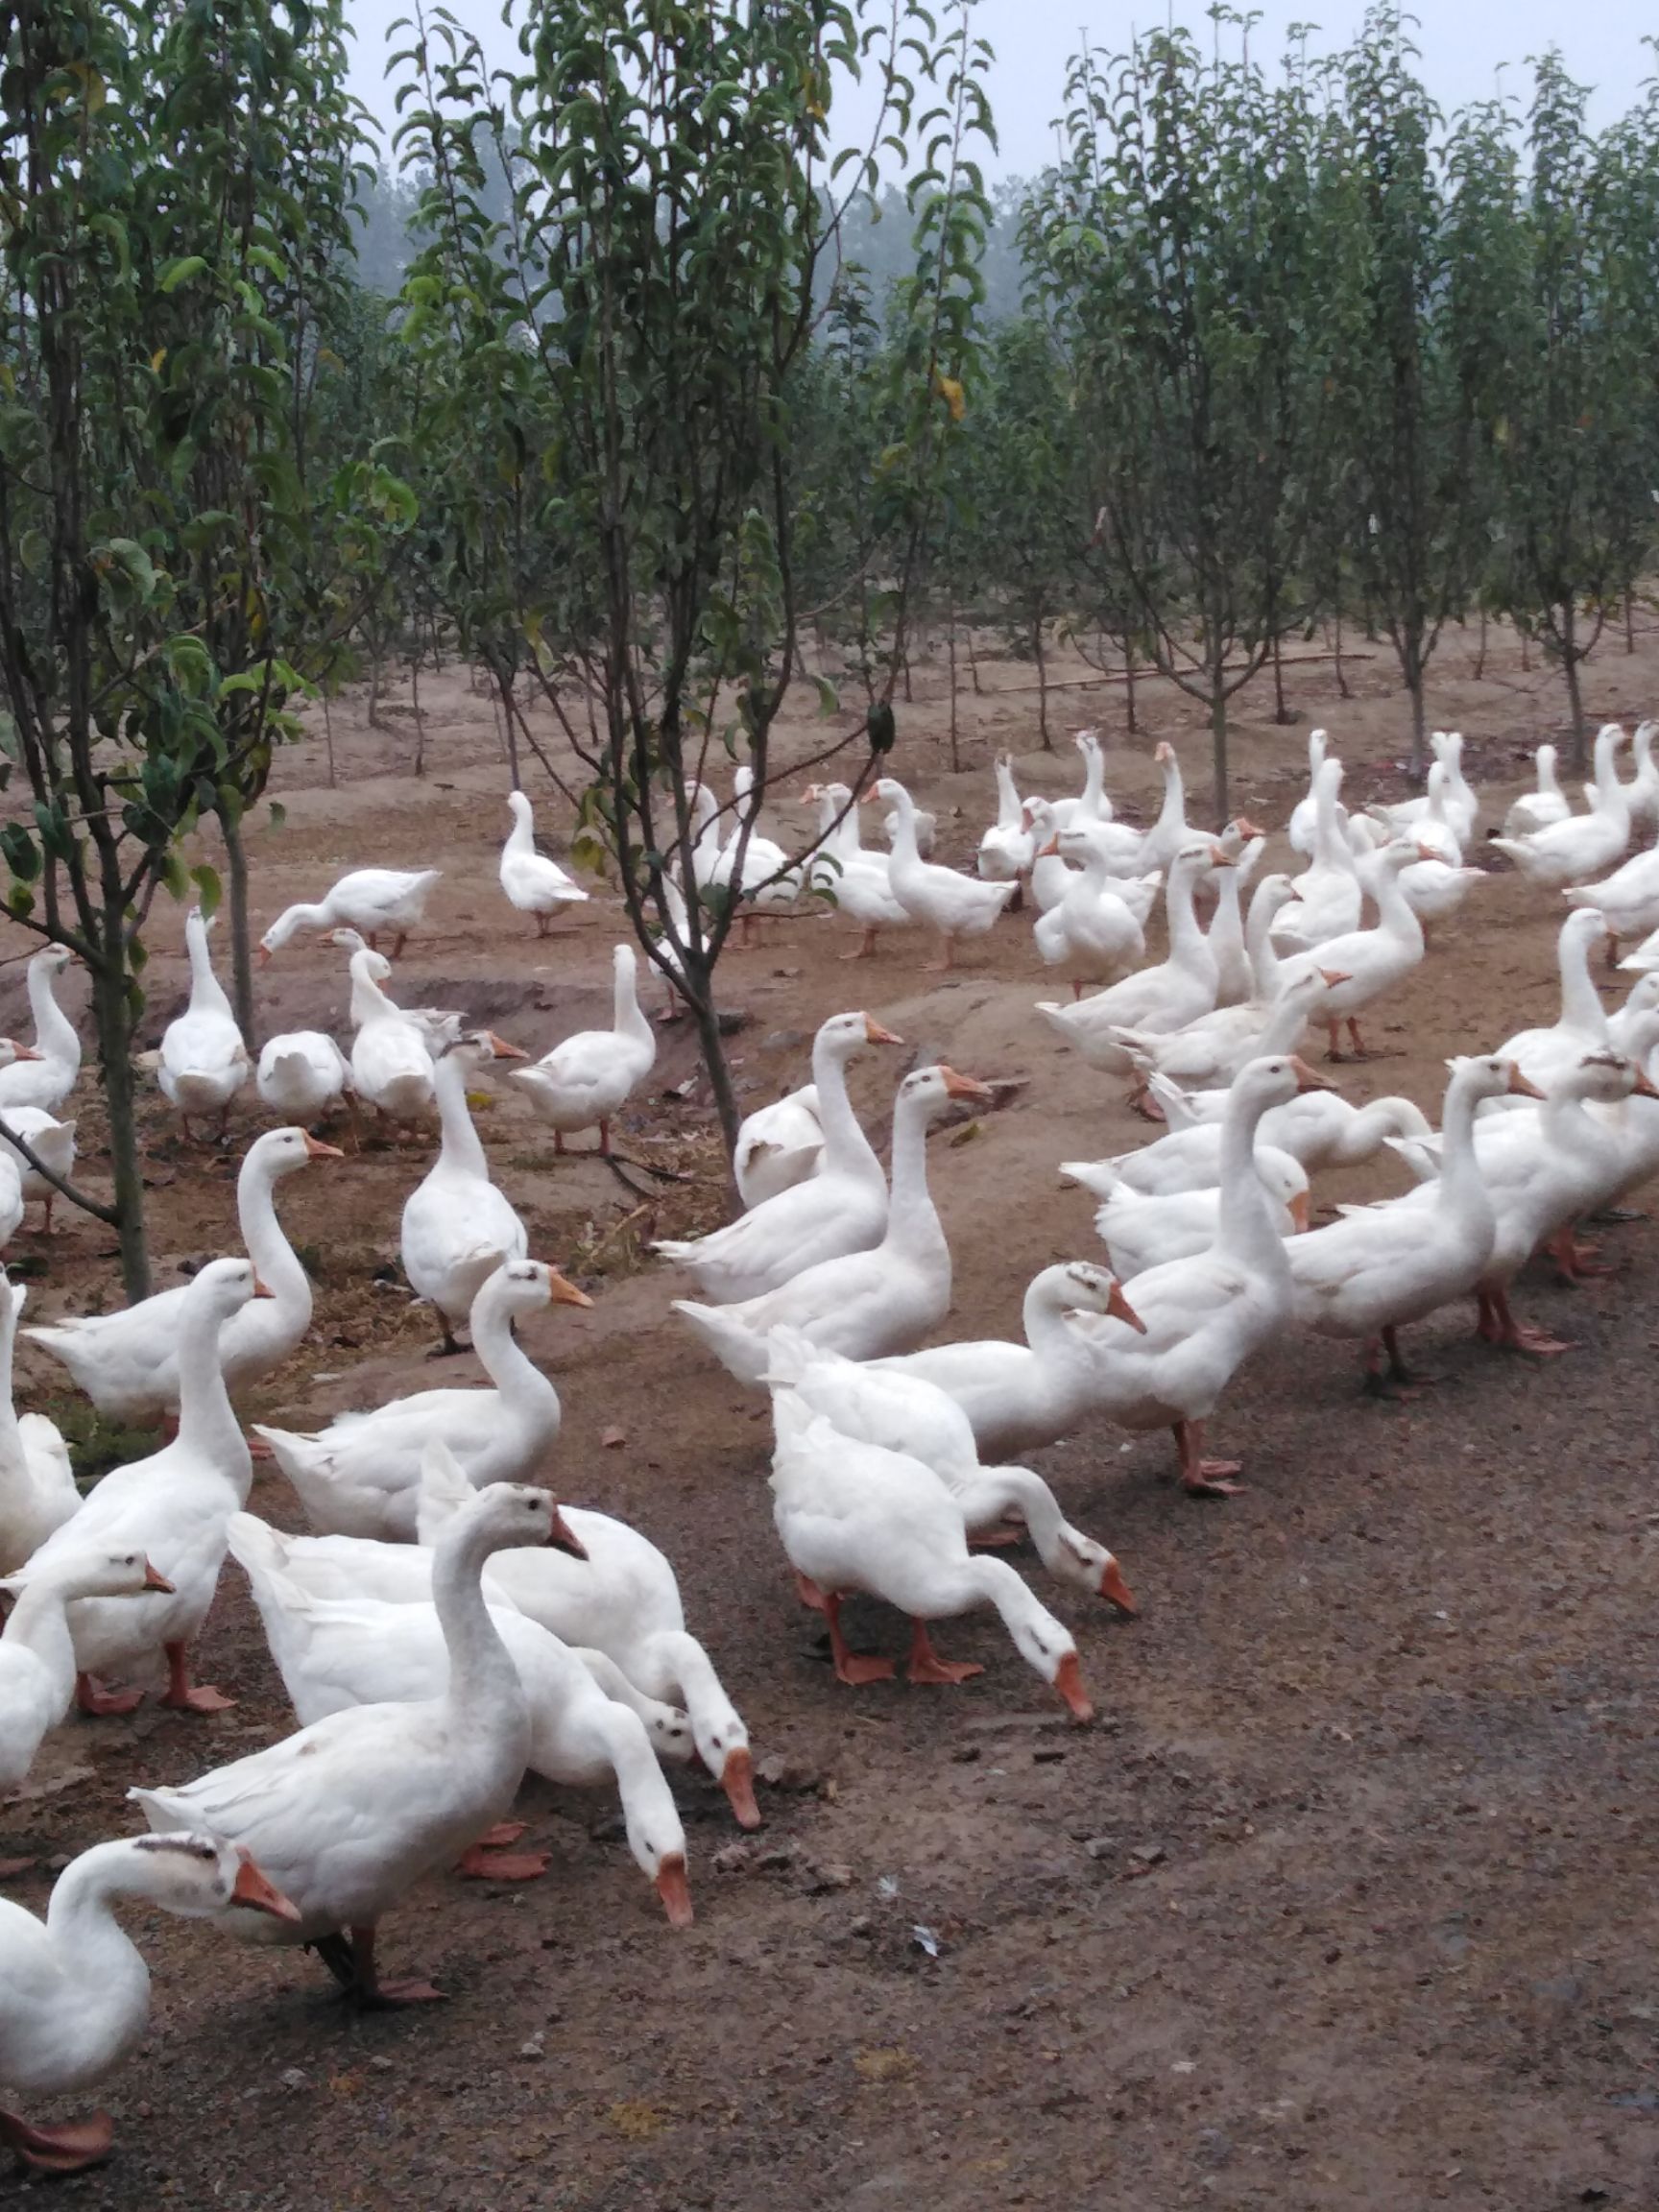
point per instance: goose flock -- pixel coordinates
(446, 1626)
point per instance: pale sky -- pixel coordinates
(1462, 43)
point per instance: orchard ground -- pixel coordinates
(1345, 1898)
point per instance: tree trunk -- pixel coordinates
(1480, 654)
(1575, 694)
(1041, 661)
(973, 663)
(1282, 713)
(713, 1046)
(328, 742)
(951, 643)
(1219, 737)
(1342, 690)
(420, 718)
(1419, 718)
(1129, 688)
(1629, 621)
(241, 946)
(375, 688)
(112, 1018)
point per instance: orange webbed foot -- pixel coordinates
(477, 1864)
(95, 1697)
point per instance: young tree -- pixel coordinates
(630, 345)
(145, 459)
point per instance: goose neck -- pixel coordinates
(626, 1018)
(911, 1218)
(1581, 1007)
(520, 1382)
(1462, 1185)
(1245, 1229)
(1187, 943)
(274, 1260)
(207, 1426)
(1258, 945)
(10, 1436)
(460, 1149)
(40, 1623)
(846, 1148)
(1094, 781)
(1394, 910)
(89, 1943)
(484, 1682)
(521, 837)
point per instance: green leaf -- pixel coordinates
(183, 271)
(279, 813)
(208, 888)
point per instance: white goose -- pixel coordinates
(1235, 982)
(37, 1491)
(859, 881)
(1018, 1397)
(1544, 1055)
(52, 1141)
(905, 1413)
(1327, 896)
(37, 1651)
(44, 1077)
(1008, 849)
(1143, 1230)
(391, 1052)
(956, 905)
(204, 1061)
(361, 1476)
(1092, 934)
(1627, 900)
(1583, 845)
(1213, 1048)
(1170, 831)
(458, 1228)
(128, 1363)
(369, 900)
(588, 1079)
(841, 1209)
(1201, 1317)
(1380, 1267)
(302, 1074)
(532, 882)
(1093, 804)
(1369, 963)
(856, 1516)
(767, 882)
(335, 1653)
(1304, 816)
(1166, 997)
(173, 1508)
(74, 1988)
(1320, 1129)
(1050, 874)
(779, 1145)
(618, 1597)
(866, 1305)
(1189, 1159)
(1539, 810)
(1642, 789)
(351, 1813)
(1432, 829)
(1462, 805)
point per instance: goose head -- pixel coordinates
(91, 1574)
(845, 1034)
(931, 1090)
(223, 1288)
(1092, 1289)
(526, 1287)
(1487, 1075)
(282, 1151)
(11, 1050)
(1079, 1560)
(198, 1876)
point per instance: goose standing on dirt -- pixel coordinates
(1545, 1054)
(361, 1476)
(337, 1653)
(173, 1508)
(391, 1052)
(204, 1061)
(534, 884)
(1380, 1267)
(586, 1081)
(346, 1815)
(1007, 848)
(38, 1492)
(856, 1516)
(458, 1228)
(866, 1305)
(1093, 804)
(44, 1077)
(38, 1652)
(302, 1074)
(956, 905)
(1320, 1129)
(1366, 963)
(1092, 934)
(1627, 900)
(74, 1988)
(1304, 816)
(1018, 1397)
(1326, 899)
(369, 900)
(126, 1362)
(1539, 810)
(617, 1597)
(1583, 845)
(841, 1209)
(859, 881)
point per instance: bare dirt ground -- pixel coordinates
(1344, 1901)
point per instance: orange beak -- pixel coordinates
(1300, 1211)
(500, 1048)
(1642, 1088)
(1306, 1079)
(876, 1035)
(1333, 978)
(1043, 851)
(1219, 858)
(1114, 1587)
(675, 1890)
(1069, 1681)
(250, 1889)
(737, 1780)
(317, 1150)
(561, 1537)
(1246, 828)
(1120, 1309)
(27, 1052)
(154, 1579)
(965, 1087)
(262, 1290)
(1519, 1087)
(808, 797)
(1427, 853)
(566, 1293)
(263, 957)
